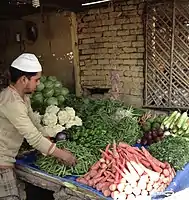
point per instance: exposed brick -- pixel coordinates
(124, 44)
(137, 55)
(89, 18)
(130, 62)
(140, 38)
(88, 41)
(101, 29)
(136, 32)
(107, 10)
(123, 32)
(87, 51)
(108, 22)
(83, 36)
(115, 27)
(123, 21)
(88, 30)
(102, 39)
(138, 44)
(101, 50)
(103, 62)
(96, 45)
(124, 56)
(135, 20)
(129, 50)
(96, 35)
(84, 46)
(116, 61)
(130, 7)
(82, 63)
(109, 33)
(82, 57)
(129, 38)
(102, 72)
(141, 49)
(102, 16)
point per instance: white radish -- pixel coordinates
(128, 189)
(131, 197)
(121, 187)
(137, 191)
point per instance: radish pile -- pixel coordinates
(126, 172)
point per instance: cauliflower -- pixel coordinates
(63, 117)
(50, 119)
(52, 109)
(52, 131)
(71, 112)
(78, 121)
(36, 117)
(70, 124)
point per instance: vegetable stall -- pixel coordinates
(122, 152)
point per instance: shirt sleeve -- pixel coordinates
(17, 114)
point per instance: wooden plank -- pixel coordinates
(76, 54)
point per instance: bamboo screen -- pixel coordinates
(167, 55)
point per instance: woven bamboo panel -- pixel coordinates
(167, 55)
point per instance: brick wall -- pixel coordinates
(111, 38)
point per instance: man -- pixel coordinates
(16, 123)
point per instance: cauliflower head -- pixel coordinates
(50, 119)
(63, 117)
(52, 109)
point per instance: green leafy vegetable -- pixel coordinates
(174, 150)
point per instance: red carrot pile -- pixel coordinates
(126, 172)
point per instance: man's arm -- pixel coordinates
(17, 114)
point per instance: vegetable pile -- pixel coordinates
(52, 166)
(174, 150)
(49, 92)
(177, 123)
(104, 125)
(56, 120)
(126, 172)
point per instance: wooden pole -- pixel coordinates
(75, 54)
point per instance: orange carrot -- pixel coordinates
(106, 193)
(145, 163)
(115, 153)
(83, 181)
(96, 166)
(110, 180)
(96, 180)
(156, 168)
(90, 183)
(92, 173)
(166, 172)
(107, 148)
(105, 155)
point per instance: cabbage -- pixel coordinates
(49, 84)
(64, 91)
(37, 98)
(43, 79)
(60, 99)
(57, 84)
(40, 87)
(52, 78)
(52, 101)
(57, 91)
(47, 92)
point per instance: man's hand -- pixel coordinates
(66, 156)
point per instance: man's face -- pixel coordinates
(32, 83)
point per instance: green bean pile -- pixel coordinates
(52, 166)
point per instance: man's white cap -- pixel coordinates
(27, 62)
